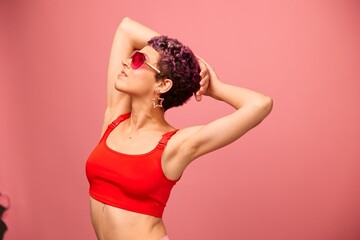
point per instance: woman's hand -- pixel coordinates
(204, 81)
(209, 80)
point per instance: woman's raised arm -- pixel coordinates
(129, 35)
(250, 109)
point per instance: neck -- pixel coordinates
(144, 116)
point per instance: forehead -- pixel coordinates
(151, 53)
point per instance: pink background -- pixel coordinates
(295, 177)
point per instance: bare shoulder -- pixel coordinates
(110, 115)
(173, 160)
(182, 135)
(175, 145)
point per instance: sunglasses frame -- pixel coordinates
(146, 62)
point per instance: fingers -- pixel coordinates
(204, 84)
(205, 79)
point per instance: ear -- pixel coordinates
(164, 86)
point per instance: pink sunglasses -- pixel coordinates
(138, 58)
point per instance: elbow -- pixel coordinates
(264, 105)
(124, 23)
(268, 104)
(125, 20)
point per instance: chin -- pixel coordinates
(119, 85)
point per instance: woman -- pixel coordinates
(140, 155)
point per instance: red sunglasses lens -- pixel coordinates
(137, 60)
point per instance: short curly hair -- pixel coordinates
(178, 63)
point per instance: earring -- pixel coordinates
(157, 102)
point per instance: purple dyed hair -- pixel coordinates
(178, 63)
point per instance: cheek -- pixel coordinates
(140, 82)
(143, 76)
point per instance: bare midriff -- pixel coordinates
(112, 223)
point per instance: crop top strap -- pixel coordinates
(165, 138)
(118, 120)
(113, 124)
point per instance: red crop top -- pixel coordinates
(133, 182)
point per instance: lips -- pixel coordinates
(122, 73)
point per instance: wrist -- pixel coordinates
(215, 90)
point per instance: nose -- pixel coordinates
(125, 63)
